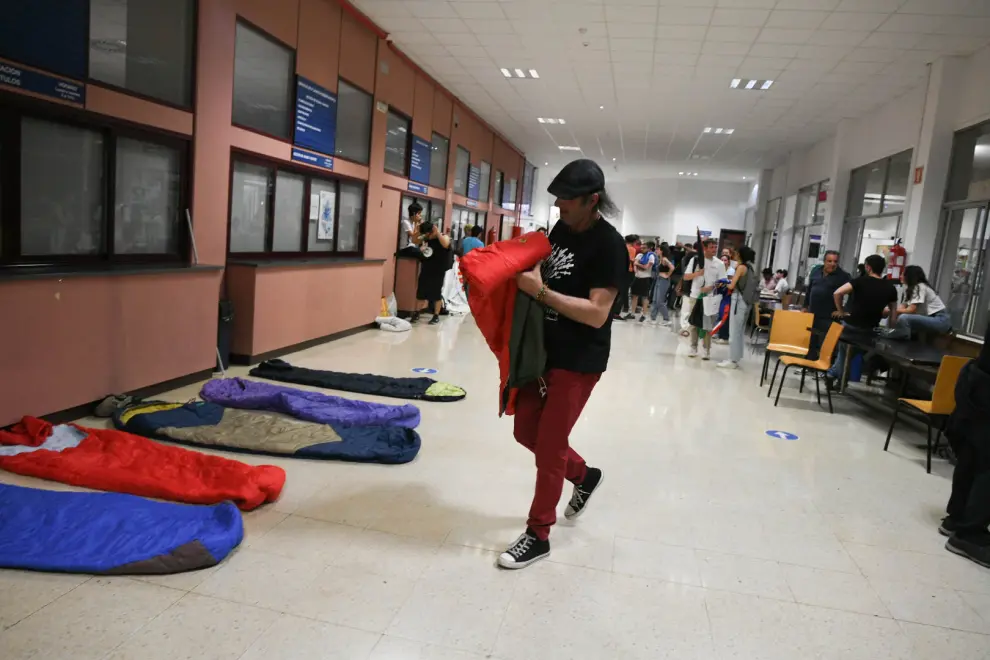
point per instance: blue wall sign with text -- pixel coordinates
(41, 83)
(705, 233)
(473, 204)
(418, 188)
(782, 435)
(326, 162)
(424, 370)
(419, 160)
(316, 117)
(474, 182)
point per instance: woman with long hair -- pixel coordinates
(745, 289)
(664, 269)
(920, 308)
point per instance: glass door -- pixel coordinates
(962, 274)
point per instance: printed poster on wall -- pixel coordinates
(474, 182)
(419, 161)
(324, 225)
(316, 117)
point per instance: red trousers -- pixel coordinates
(543, 424)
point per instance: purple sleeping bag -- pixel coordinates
(306, 405)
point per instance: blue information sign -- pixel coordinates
(782, 435)
(318, 160)
(316, 117)
(418, 188)
(41, 83)
(473, 204)
(419, 161)
(474, 182)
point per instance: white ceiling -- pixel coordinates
(661, 69)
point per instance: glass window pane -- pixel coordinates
(353, 123)
(397, 144)
(897, 182)
(62, 184)
(865, 189)
(461, 171)
(351, 215)
(962, 276)
(249, 207)
(773, 214)
(287, 232)
(509, 199)
(263, 78)
(126, 48)
(322, 215)
(878, 233)
(969, 177)
(438, 161)
(486, 181)
(147, 191)
(499, 184)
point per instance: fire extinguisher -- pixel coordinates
(491, 236)
(898, 260)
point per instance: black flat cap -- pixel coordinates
(578, 178)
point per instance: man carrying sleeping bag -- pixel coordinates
(577, 286)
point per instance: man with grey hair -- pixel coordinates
(823, 282)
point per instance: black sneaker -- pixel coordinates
(948, 527)
(976, 552)
(414, 318)
(582, 493)
(525, 550)
(642, 319)
(435, 320)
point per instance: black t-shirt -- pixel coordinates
(592, 259)
(869, 298)
(436, 258)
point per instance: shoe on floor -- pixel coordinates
(707, 356)
(525, 550)
(435, 320)
(727, 364)
(414, 318)
(719, 340)
(948, 526)
(583, 492)
(111, 404)
(976, 552)
(693, 353)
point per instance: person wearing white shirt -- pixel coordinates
(703, 282)
(920, 308)
(409, 228)
(782, 286)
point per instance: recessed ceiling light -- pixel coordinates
(730, 131)
(506, 73)
(613, 159)
(551, 120)
(561, 121)
(694, 174)
(546, 164)
(541, 120)
(601, 107)
(766, 84)
(520, 73)
(708, 129)
(750, 85)
(718, 130)
(533, 73)
(569, 148)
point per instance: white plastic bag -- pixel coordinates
(453, 292)
(393, 324)
(393, 306)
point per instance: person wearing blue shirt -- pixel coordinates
(822, 284)
(473, 241)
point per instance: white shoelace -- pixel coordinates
(521, 546)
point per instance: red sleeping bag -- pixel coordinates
(125, 463)
(490, 273)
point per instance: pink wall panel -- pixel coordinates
(279, 19)
(130, 108)
(422, 123)
(358, 54)
(319, 42)
(397, 87)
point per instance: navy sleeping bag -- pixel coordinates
(112, 533)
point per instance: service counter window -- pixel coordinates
(76, 192)
(397, 140)
(485, 182)
(438, 161)
(461, 165)
(278, 211)
(509, 195)
(264, 79)
(354, 108)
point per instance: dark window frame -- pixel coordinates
(499, 188)
(287, 139)
(371, 121)
(409, 135)
(194, 61)
(467, 172)
(14, 107)
(275, 166)
(446, 160)
(882, 202)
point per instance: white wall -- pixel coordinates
(670, 207)
(810, 166)
(974, 101)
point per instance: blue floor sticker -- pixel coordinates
(424, 370)
(782, 435)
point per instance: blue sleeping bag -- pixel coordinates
(112, 533)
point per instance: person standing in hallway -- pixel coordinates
(661, 287)
(643, 279)
(473, 242)
(744, 291)
(577, 285)
(622, 301)
(968, 431)
(435, 250)
(684, 287)
(870, 296)
(703, 281)
(822, 285)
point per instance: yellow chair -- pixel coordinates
(761, 321)
(942, 404)
(819, 366)
(790, 334)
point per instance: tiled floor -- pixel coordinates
(710, 540)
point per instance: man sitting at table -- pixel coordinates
(822, 285)
(871, 295)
